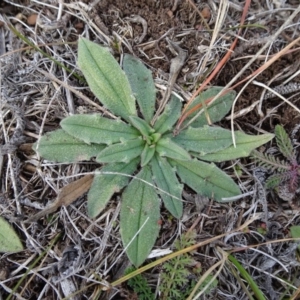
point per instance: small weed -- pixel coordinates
(177, 281)
(130, 147)
(286, 178)
(140, 286)
(178, 276)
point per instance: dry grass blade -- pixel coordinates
(256, 73)
(213, 74)
(278, 95)
(296, 294)
(188, 249)
(206, 274)
(223, 8)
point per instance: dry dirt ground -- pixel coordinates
(32, 103)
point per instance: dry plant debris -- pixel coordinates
(35, 97)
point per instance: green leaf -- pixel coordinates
(140, 286)
(165, 147)
(169, 117)
(295, 232)
(9, 241)
(244, 145)
(141, 125)
(217, 111)
(61, 147)
(121, 152)
(97, 129)
(165, 179)
(142, 85)
(155, 137)
(274, 181)
(105, 78)
(270, 162)
(248, 278)
(206, 179)
(139, 217)
(204, 140)
(105, 185)
(284, 143)
(147, 154)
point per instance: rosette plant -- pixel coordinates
(145, 163)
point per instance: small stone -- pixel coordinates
(31, 20)
(170, 14)
(206, 13)
(18, 16)
(79, 25)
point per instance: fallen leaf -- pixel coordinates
(67, 195)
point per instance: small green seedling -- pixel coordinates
(139, 285)
(178, 279)
(148, 161)
(286, 178)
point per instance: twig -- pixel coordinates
(176, 65)
(273, 91)
(283, 89)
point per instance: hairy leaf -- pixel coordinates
(142, 85)
(144, 128)
(105, 185)
(106, 79)
(9, 241)
(206, 179)
(286, 191)
(204, 140)
(121, 152)
(284, 143)
(295, 232)
(169, 117)
(270, 162)
(244, 145)
(147, 154)
(165, 147)
(274, 181)
(217, 111)
(139, 284)
(97, 129)
(139, 217)
(61, 147)
(166, 180)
